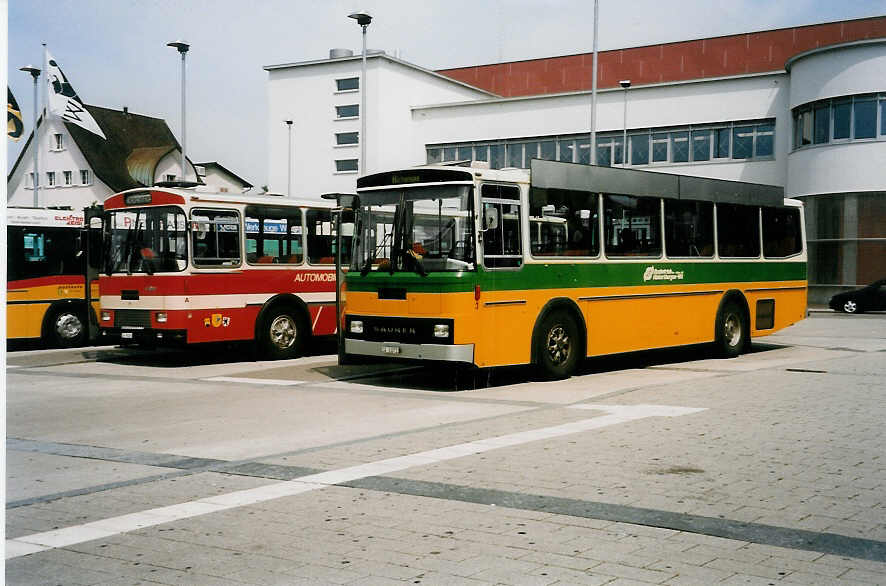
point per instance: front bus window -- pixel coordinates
(420, 229)
(145, 240)
(215, 237)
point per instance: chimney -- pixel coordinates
(126, 110)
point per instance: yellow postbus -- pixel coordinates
(565, 261)
(49, 261)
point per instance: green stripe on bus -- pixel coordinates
(558, 276)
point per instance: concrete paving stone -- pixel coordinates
(748, 568)
(443, 579)
(601, 550)
(628, 582)
(59, 573)
(817, 580)
(382, 570)
(800, 555)
(24, 578)
(505, 575)
(561, 561)
(708, 540)
(747, 580)
(690, 556)
(561, 575)
(865, 576)
(633, 573)
(326, 574)
(690, 571)
(806, 567)
(266, 578)
(739, 555)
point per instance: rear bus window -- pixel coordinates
(738, 231)
(322, 240)
(215, 237)
(781, 232)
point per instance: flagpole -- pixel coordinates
(35, 73)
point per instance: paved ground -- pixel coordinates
(670, 467)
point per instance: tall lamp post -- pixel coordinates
(625, 83)
(182, 47)
(363, 19)
(35, 73)
(289, 167)
(593, 154)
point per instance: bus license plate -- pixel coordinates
(390, 349)
(126, 335)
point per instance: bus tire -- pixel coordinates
(282, 333)
(733, 330)
(66, 326)
(557, 346)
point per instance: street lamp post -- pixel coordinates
(592, 156)
(625, 83)
(289, 167)
(35, 73)
(182, 47)
(363, 19)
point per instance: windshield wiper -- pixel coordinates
(367, 266)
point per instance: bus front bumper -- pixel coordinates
(147, 336)
(442, 352)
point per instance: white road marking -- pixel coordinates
(254, 381)
(615, 414)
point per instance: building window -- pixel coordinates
(861, 117)
(349, 111)
(58, 142)
(84, 177)
(345, 165)
(688, 144)
(50, 178)
(69, 177)
(347, 84)
(344, 138)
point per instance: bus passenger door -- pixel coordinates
(504, 327)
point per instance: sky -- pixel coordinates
(114, 52)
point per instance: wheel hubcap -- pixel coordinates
(283, 332)
(558, 345)
(68, 326)
(850, 307)
(732, 329)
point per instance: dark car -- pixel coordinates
(870, 298)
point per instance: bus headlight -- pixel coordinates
(106, 316)
(161, 317)
(356, 327)
(441, 330)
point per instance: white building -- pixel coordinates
(803, 108)
(78, 168)
(218, 178)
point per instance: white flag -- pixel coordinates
(64, 102)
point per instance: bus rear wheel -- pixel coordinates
(733, 332)
(282, 334)
(66, 327)
(557, 346)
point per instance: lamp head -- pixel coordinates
(288, 122)
(625, 83)
(35, 72)
(182, 46)
(362, 18)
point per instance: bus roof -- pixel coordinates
(44, 217)
(578, 177)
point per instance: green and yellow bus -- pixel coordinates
(565, 261)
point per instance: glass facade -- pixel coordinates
(646, 147)
(859, 117)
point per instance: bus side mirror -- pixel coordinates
(490, 218)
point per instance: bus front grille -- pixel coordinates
(132, 318)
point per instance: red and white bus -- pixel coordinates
(183, 266)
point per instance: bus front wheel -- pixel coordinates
(557, 346)
(66, 327)
(732, 331)
(283, 334)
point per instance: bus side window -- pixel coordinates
(738, 231)
(781, 232)
(632, 224)
(563, 222)
(689, 228)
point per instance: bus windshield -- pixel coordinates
(419, 229)
(145, 240)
